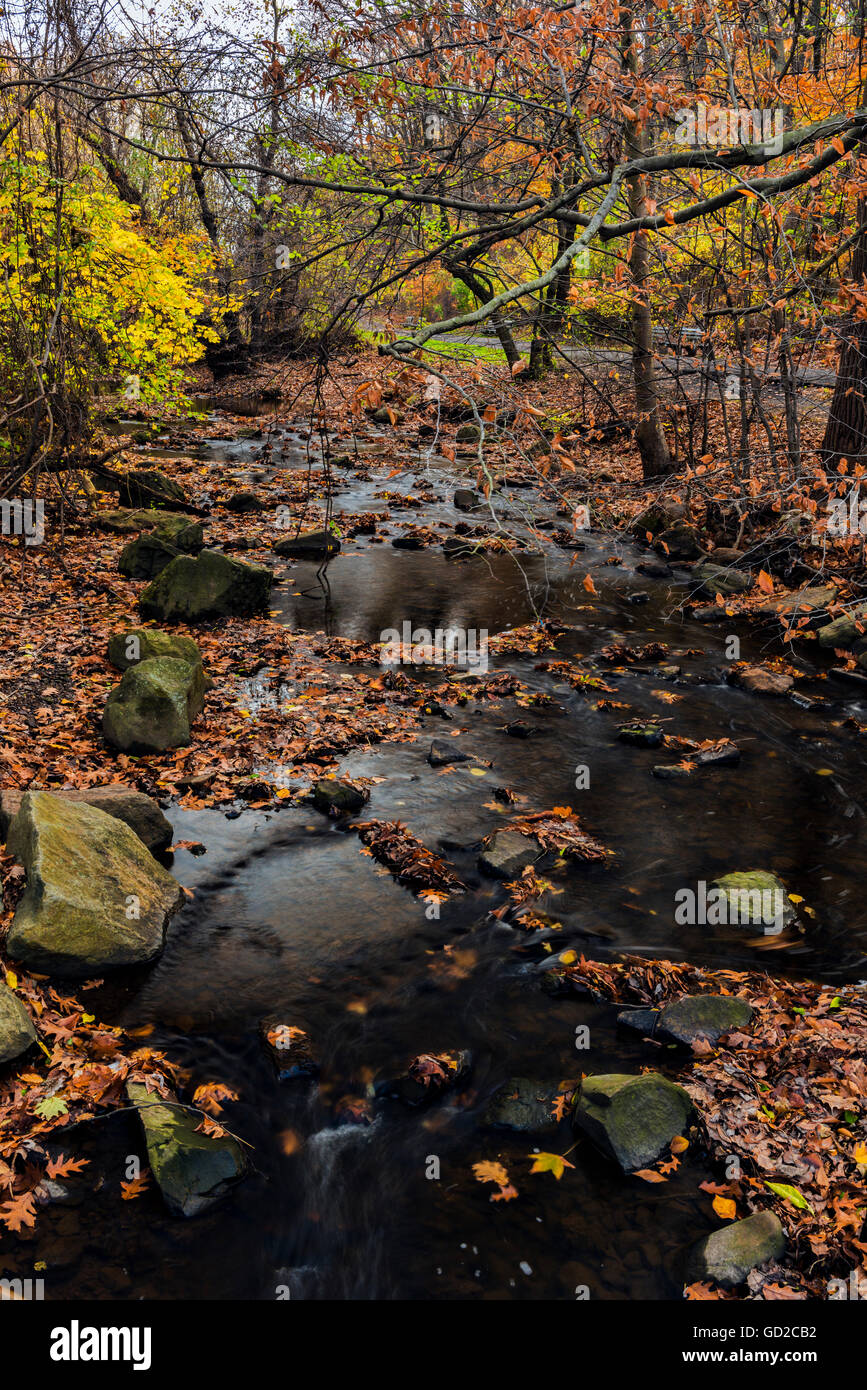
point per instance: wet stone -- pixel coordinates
(443, 754)
(524, 1106)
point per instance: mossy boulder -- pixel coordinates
(726, 1256)
(16, 1026)
(210, 586)
(631, 1119)
(192, 1170)
(138, 644)
(95, 898)
(154, 705)
(175, 528)
(146, 556)
(139, 812)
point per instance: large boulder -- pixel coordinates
(507, 853)
(95, 897)
(146, 556)
(136, 810)
(193, 1170)
(137, 644)
(210, 586)
(16, 1026)
(726, 1256)
(154, 705)
(632, 1119)
(707, 1016)
(149, 487)
(309, 545)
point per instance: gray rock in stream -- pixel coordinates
(524, 1106)
(309, 545)
(336, 798)
(192, 1169)
(95, 898)
(705, 1016)
(727, 1256)
(631, 1119)
(443, 754)
(16, 1026)
(507, 853)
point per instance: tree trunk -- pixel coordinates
(649, 434)
(846, 430)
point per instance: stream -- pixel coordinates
(291, 920)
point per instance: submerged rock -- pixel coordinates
(442, 754)
(210, 586)
(632, 1119)
(523, 1105)
(727, 1256)
(702, 1016)
(17, 1032)
(290, 1051)
(507, 852)
(641, 735)
(427, 1077)
(154, 705)
(136, 810)
(335, 798)
(756, 899)
(309, 545)
(95, 897)
(137, 644)
(192, 1169)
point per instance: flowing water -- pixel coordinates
(291, 920)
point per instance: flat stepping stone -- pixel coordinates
(706, 1016)
(508, 853)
